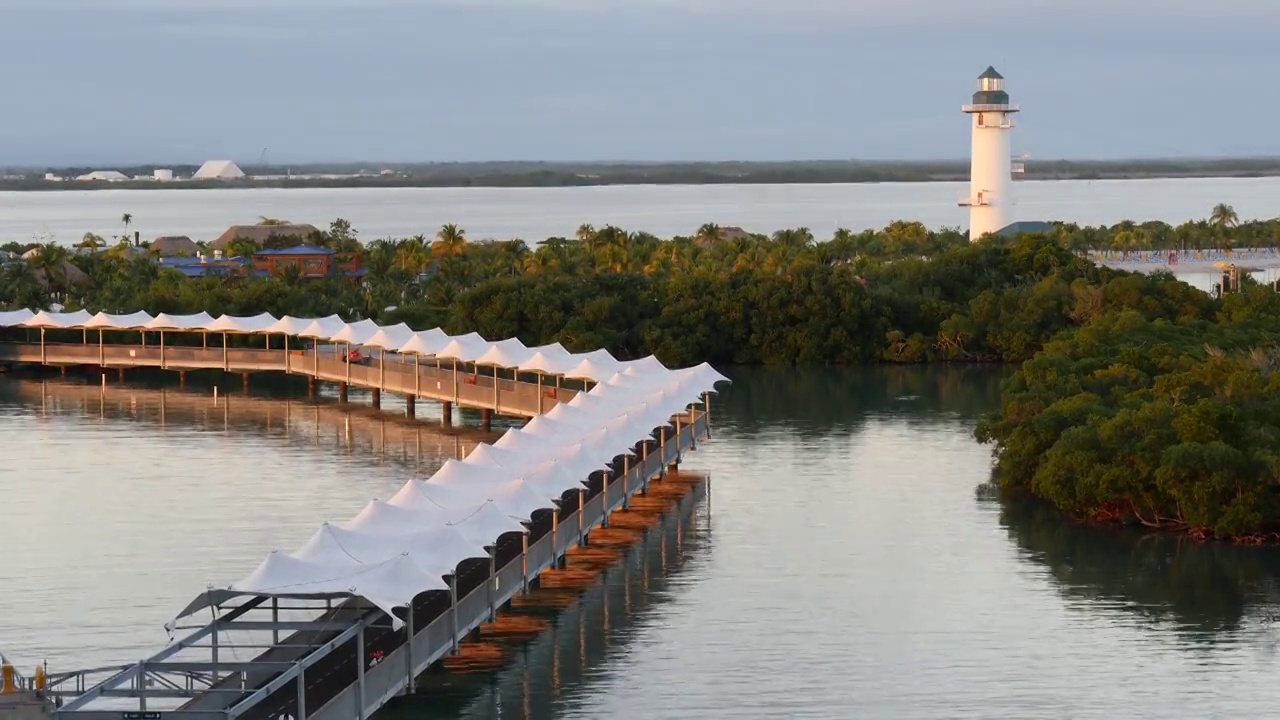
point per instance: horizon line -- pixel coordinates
(641, 163)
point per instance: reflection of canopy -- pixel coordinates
(391, 551)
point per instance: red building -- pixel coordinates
(311, 262)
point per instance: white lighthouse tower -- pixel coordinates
(991, 168)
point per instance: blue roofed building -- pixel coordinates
(202, 266)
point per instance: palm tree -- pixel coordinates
(50, 263)
(412, 254)
(127, 219)
(450, 241)
(20, 286)
(1223, 216)
(708, 235)
(264, 220)
(511, 256)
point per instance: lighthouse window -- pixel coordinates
(981, 122)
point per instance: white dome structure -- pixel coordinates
(108, 175)
(218, 170)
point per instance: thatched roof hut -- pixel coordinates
(172, 245)
(74, 275)
(295, 233)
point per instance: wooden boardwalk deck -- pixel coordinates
(401, 374)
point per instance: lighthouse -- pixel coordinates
(991, 167)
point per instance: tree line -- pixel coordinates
(1138, 399)
(1164, 415)
(902, 294)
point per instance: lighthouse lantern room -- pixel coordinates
(991, 166)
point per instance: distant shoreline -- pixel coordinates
(530, 175)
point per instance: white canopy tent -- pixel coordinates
(487, 523)
(197, 322)
(57, 320)
(510, 353)
(646, 365)
(464, 348)
(132, 321)
(548, 363)
(427, 342)
(379, 515)
(436, 550)
(15, 318)
(249, 324)
(517, 440)
(593, 369)
(391, 551)
(386, 585)
(323, 328)
(356, 333)
(390, 337)
(289, 325)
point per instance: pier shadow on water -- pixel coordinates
(586, 641)
(1204, 592)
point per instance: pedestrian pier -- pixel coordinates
(503, 377)
(340, 626)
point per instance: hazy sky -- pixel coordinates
(116, 81)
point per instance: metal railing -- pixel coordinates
(989, 108)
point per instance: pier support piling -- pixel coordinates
(311, 386)
(245, 377)
(375, 398)
(342, 392)
(486, 419)
(64, 371)
(446, 413)
(120, 374)
(182, 378)
(410, 406)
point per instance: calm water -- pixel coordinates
(848, 563)
(538, 213)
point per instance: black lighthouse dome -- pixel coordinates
(991, 89)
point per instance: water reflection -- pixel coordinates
(271, 409)
(824, 401)
(122, 501)
(1205, 590)
(585, 642)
